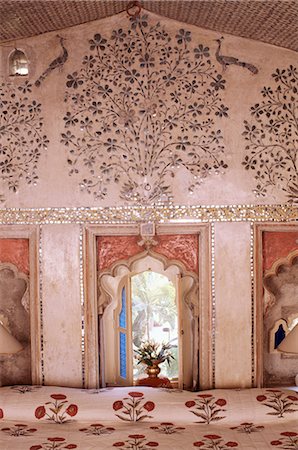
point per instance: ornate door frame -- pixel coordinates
(261, 293)
(91, 232)
(30, 232)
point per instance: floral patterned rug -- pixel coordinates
(142, 418)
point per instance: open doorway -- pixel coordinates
(154, 318)
(147, 313)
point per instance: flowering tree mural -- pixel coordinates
(143, 104)
(272, 136)
(22, 139)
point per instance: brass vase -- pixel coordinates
(153, 371)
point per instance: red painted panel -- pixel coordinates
(111, 249)
(15, 251)
(277, 245)
(184, 248)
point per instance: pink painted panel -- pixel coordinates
(277, 245)
(111, 249)
(184, 248)
(15, 251)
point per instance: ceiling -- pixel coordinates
(271, 21)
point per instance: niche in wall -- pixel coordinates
(18, 305)
(113, 253)
(281, 282)
(276, 301)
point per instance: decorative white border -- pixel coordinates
(213, 303)
(252, 275)
(82, 297)
(41, 306)
(153, 213)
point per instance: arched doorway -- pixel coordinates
(146, 313)
(154, 312)
(189, 271)
(117, 319)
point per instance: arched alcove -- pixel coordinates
(110, 288)
(281, 309)
(15, 316)
(18, 65)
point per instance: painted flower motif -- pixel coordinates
(207, 408)
(136, 394)
(40, 412)
(218, 83)
(190, 404)
(72, 410)
(54, 443)
(58, 396)
(118, 35)
(98, 42)
(147, 60)
(73, 80)
(19, 429)
(214, 441)
(248, 427)
(97, 429)
(139, 21)
(201, 52)
(132, 407)
(278, 401)
(183, 36)
(221, 402)
(58, 410)
(167, 428)
(117, 405)
(288, 440)
(149, 406)
(136, 442)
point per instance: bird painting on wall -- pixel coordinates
(229, 60)
(56, 63)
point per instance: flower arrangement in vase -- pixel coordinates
(152, 354)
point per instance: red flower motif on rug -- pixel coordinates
(288, 439)
(207, 408)
(53, 443)
(136, 442)
(58, 411)
(248, 427)
(280, 402)
(19, 429)
(133, 408)
(215, 442)
(97, 429)
(167, 428)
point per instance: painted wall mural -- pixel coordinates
(144, 104)
(272, 136)
(22, 137)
